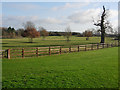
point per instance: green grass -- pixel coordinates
(90, 69)
(50, 41)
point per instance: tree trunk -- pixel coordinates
(67, 38)
(102, 37)
(43, 38)
(87, 38)
(31, 40)
(102, 26)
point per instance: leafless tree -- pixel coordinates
(104, 24)
(68, 33)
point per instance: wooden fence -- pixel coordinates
(39, 51)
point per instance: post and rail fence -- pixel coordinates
(40, 51)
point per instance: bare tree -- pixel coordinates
(30, 31)
(43, 32)
(104, 24)
(68, 33)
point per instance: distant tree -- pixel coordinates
(43, 32)
(56, 33)
(79, 35)
(20, 32)
(4, 33)
(119, 35)
(52, 34)
(95, 32)
(116, 35)
(11, 32)
(104, 25)
(68, 33)
(87, 34)
(30, 31)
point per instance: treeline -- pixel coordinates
(63, 34)
(10, 32)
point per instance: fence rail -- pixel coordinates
(39, 51)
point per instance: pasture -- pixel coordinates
(50, 41)
(85, 69)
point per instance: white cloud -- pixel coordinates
(17, 21)
(113, 14)
(113, 17)
(70, 5)
(50, 20)
(84, 17)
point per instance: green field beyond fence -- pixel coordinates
(51, 41)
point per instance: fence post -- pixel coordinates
(111, 45)
(115, 44)
(92, 47)
(60, 49)
(98, 46)
(69, 49)
(118, 43)
(49, 51)
(23, 53)
(107, 45)
(78, 48)
(8, 53)
(2, 54)
(37, 52)
(102, 45)
(85, 48)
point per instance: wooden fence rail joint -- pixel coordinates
(22, 52)
(49, 50)
(8, 53)
(37, 52)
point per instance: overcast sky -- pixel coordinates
(57, 16)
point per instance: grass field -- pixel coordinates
(90, 69)
(50, 41)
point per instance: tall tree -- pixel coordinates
(30, 31)
(104, 24)
(68, 33)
